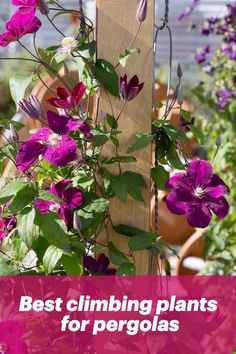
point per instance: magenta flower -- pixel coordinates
(6, 225)
(130, 90)
(25, 3)
(22, 22)
(197, 193)
(66, 99)
(99, 266)
(53, 143)
(72, 198)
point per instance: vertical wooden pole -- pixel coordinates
(116, 26)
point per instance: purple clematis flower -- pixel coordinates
(201, 55)
(129, 90)
(224, 97)
(189, 10)
(71, 197)
(53, 143)
(22, 22)
(99, 266)
(197, 193)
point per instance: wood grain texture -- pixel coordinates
(116, 26)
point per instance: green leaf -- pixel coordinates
(27, 230)
(175, 133)
(98, 249)
(126, 230)
(51, 258)
(72, 264)
(128, 183)
(53, 229)
(115, 159)
(99, 138)
(186, 115)
(91, 215)
(18, 85)
(124, 57)
(126, 269)
(23, 198)
(160, 176)
(48, 196)
(116, 256)
(87, 50)
(141, 140)
(11, 189)
(51, 59)
(159, 104)
(141, 241)
(198, 134)
(7, 267)
(173, 158)
(105, 73)
(112, 122)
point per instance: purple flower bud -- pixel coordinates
(76, 222)
(129, 90)
(32, 107)
(43, 7)
(142, 11)
(179, 71)
(176, 92)
(218, 141)
(13, 137)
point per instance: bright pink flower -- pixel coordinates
(25, 3)
(11, 337)
(6, 225)
(21, 23)
(72, 198)
(66, 99)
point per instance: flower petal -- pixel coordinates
(28, 153)
(59, 188)
(73, 197)
(219, 206)
(199, 173)
(42, 134)
(179, 184)
(78, 92)
(58, 123)
(43, 205)
(61, 154)
(217, 187)
(198, 215)
(62, 93)
(174, 205)
(90, 264)
(67, 216)
(102, 263)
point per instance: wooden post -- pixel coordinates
(116, 26)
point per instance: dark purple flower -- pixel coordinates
(21, 23)
(230, 37)
(189, 10)
(201, 55)
(197, 193)
(230, 51)
(224, 97)
(71, 197)
(66, 99)
(32, 107)
(142, 11)
(129, 90)
(53, 143)
(99, 266)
